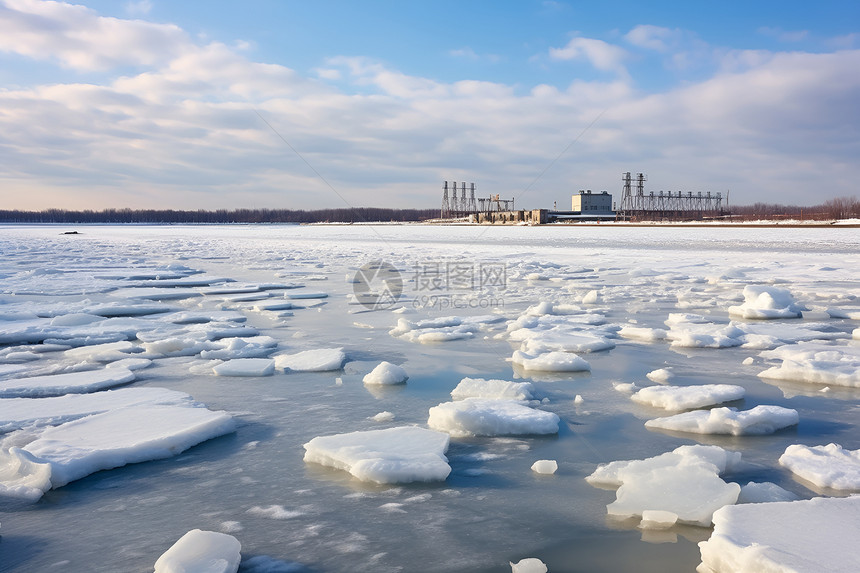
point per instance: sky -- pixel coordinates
(333, 103)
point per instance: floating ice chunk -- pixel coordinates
(201, 552)
(318, 360)
(658, 519)
(246, 367)
(695, 333)
(395, 455)
(201, 317)
(528, 565)
(275, 512)
(131, 363)
(816, 363)
(498, 389)
(642, 333)
(625, 387)
(825, 466)
(108, 352)
(254, 347)
(808, 535)
(685, 482)
(75, 319)
(764, 492)
(661, 375)
(383, 417)
(757, 421)
(767, 302)
(551, 362)
(177, 346)
(128, 309)
(16, 413)
(565, 341)
(591, 297)
(22, 476)
(688, 397)
(547, 467)
(481, 417)
(852, 313)
(306, 295)
(578, 399)
(386, 373)
(69, 383)
(124, 436)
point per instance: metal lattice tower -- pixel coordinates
(669, 205)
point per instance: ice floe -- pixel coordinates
(386, 373)
(117, 437)
(17, 413)
(757, 421)
(498, 389)
(808, 535)
(528, 565)
(201, 552)
(685, 482)
(688, 397)
(829, 466)
(394, 455)
(485, 417)
(245, 367)
(555, 361)
(442, 329)
(547, 467)
(764, 492)
(68, 383)
(767, 302)
(816, 363)
(317, 360)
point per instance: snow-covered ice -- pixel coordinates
(830, 466)
(386, 373)
(685, 482)
(246, 367)
(809, 536)
(123, 436)
(547, 467)
(17, 413)
(767, 302)
(555, 361)
(688, 397)
(529, 565)
(317, 360)
(201, 552)
(756, 421)
(68, 383)
(495, 389)
(487, 417)
(395, 455)
(815, 363)
(764, 492)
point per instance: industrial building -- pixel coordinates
(586, 202)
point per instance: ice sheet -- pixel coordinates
(825, 466)
(756, 421)
(201, 552)
(69, 383)
(485, 417)
(809, 535)
(688, 397)
(395, 455)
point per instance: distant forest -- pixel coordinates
(357, 215)
(840, 208)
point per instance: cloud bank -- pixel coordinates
(179, 123)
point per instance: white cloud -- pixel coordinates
(184, 131)
(138, 8)
(653, 37)
(78, 38)
(602, 55)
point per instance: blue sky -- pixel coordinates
(156, 104)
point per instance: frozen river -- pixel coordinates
(627, 301)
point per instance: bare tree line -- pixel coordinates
(153, 216)
(839, 208)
